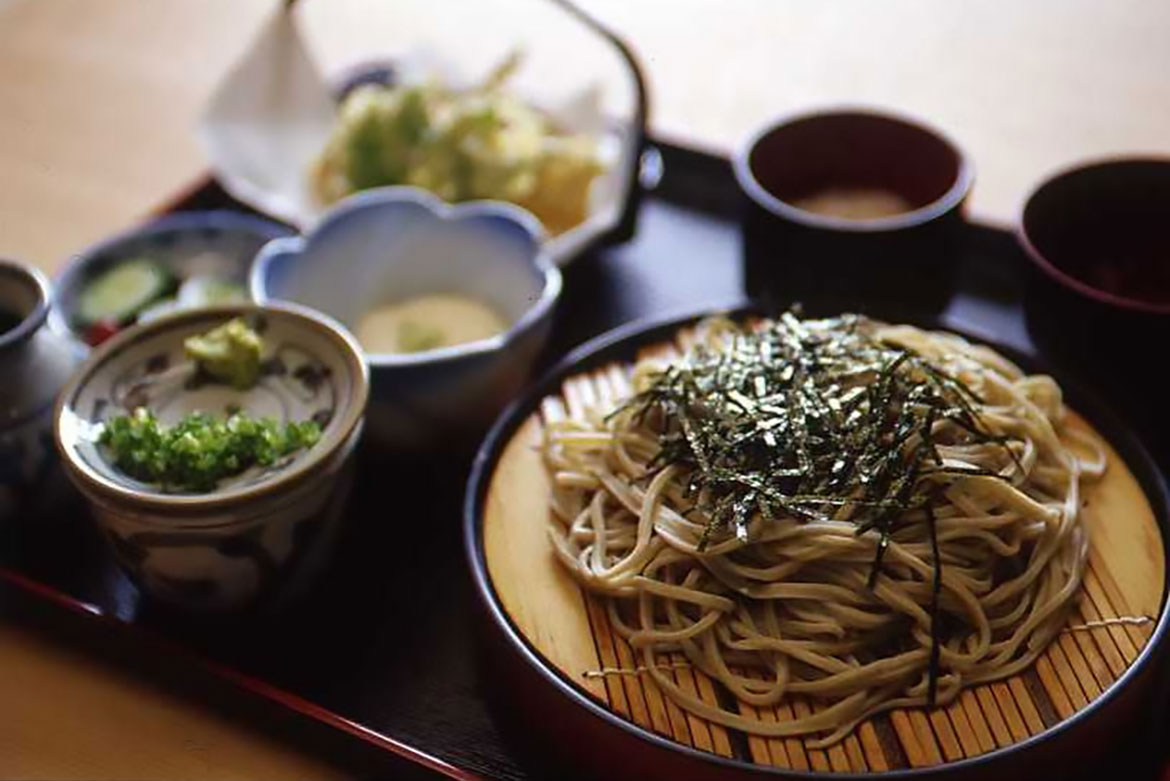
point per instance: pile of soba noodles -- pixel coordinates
(862, 515)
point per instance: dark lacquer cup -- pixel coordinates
(1098, 296)
(852, 209)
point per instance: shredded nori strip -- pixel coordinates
(814, 421)
(935, 589)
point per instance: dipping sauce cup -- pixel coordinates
(1098, 295)
(1099, 234)
(851, 209)
(391, 244)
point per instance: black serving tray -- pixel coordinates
(382, 666)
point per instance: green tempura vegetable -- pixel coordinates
(200, 450)
(230, 353)
(481, 142)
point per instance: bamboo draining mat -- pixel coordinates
(1125, 577)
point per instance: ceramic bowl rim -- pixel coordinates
(74, 271)
(353, 411)
(382, 197)
(1057, 274)
(951, 199)
(39, 283)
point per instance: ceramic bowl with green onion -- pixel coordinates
(215, 448)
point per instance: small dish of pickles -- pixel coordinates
(182, 261)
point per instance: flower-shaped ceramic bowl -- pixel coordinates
(254, 538)
(211, 244)
(392, 244)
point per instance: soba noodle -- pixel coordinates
(806, 599)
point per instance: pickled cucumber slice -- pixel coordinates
(120, 293)
(206, 290)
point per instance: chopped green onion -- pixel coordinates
(200, 450)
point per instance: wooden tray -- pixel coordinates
(542, 607)
(338, 673)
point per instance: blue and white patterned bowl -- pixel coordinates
(394, 243)
(251, 538)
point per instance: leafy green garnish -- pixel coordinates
(383, 135)
(200, 450)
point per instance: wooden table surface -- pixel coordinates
(98, 101)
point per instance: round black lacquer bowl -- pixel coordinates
(808, 238)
